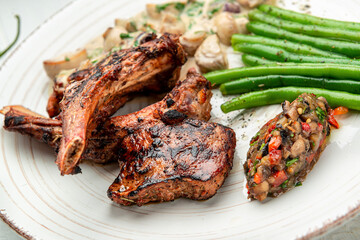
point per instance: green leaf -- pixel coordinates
(252, 144)
(125, 35)
(298, 184)
(133, 25)
(291, 162)
(262, 146)
(179, 6)
(321, 114)
(284, 184)
(162, 7)
(67, 59)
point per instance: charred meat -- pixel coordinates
(166, 155)
(287, 147)
(166, 150)
(89, 102)
(190, 97)
(164, 161)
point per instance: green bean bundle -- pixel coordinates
(280, 55)
(308, 19)
(327, 70)
(278, 95)
(349, 49)
(313, 30)
(285, 44)
(252, 60)
(250, 84)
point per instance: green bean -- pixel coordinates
(285, 44)
(278, 95)
(308, 19)
(347, 48)
(251, 60)
(328, 70)
(280, 55)
(251, 84)
(313, 30)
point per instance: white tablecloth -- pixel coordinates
(33, 13)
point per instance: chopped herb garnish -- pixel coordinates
(312, 143)
(190, 25)
(136, 43)
(275, 129)
(291, 162)
(67, 59)
(253, 170)
(284, 184)
(300, 99)
(298, 184)
(292, 135)
(96, 52)
(162, 7)
(262, 146)
(115, 49)
(253, 143)
(321, 114)
(149, 28)
(125, 35)
(133, 25)
(213, 11)
(179, 6)
(194, 8)
(94, 61)
(211, 32)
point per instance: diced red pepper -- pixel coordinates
(257, 178)
(275, 157)
(310, 158)
(267, 137)
(280, 177)
(340, 110)
(272, 127)
(333, 121)
(305, 126)
(321, 127)
(274, 143)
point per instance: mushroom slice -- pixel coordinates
(64, 62)
(250, 3)
(112, 37)
(209, 56)
(191, 40)
(171, 24)
(226, 27)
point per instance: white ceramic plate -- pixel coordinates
(39, 203)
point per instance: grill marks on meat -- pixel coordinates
(190, 97)
(287, 147)
(166, 155)
(162, 162)
(163, 153)
(95, 98)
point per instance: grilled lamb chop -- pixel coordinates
(163, 154)
(162, 161)
(166, 155)
(287, 147)
(89, 102)
(190, 97)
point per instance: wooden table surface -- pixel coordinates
(33, 13)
